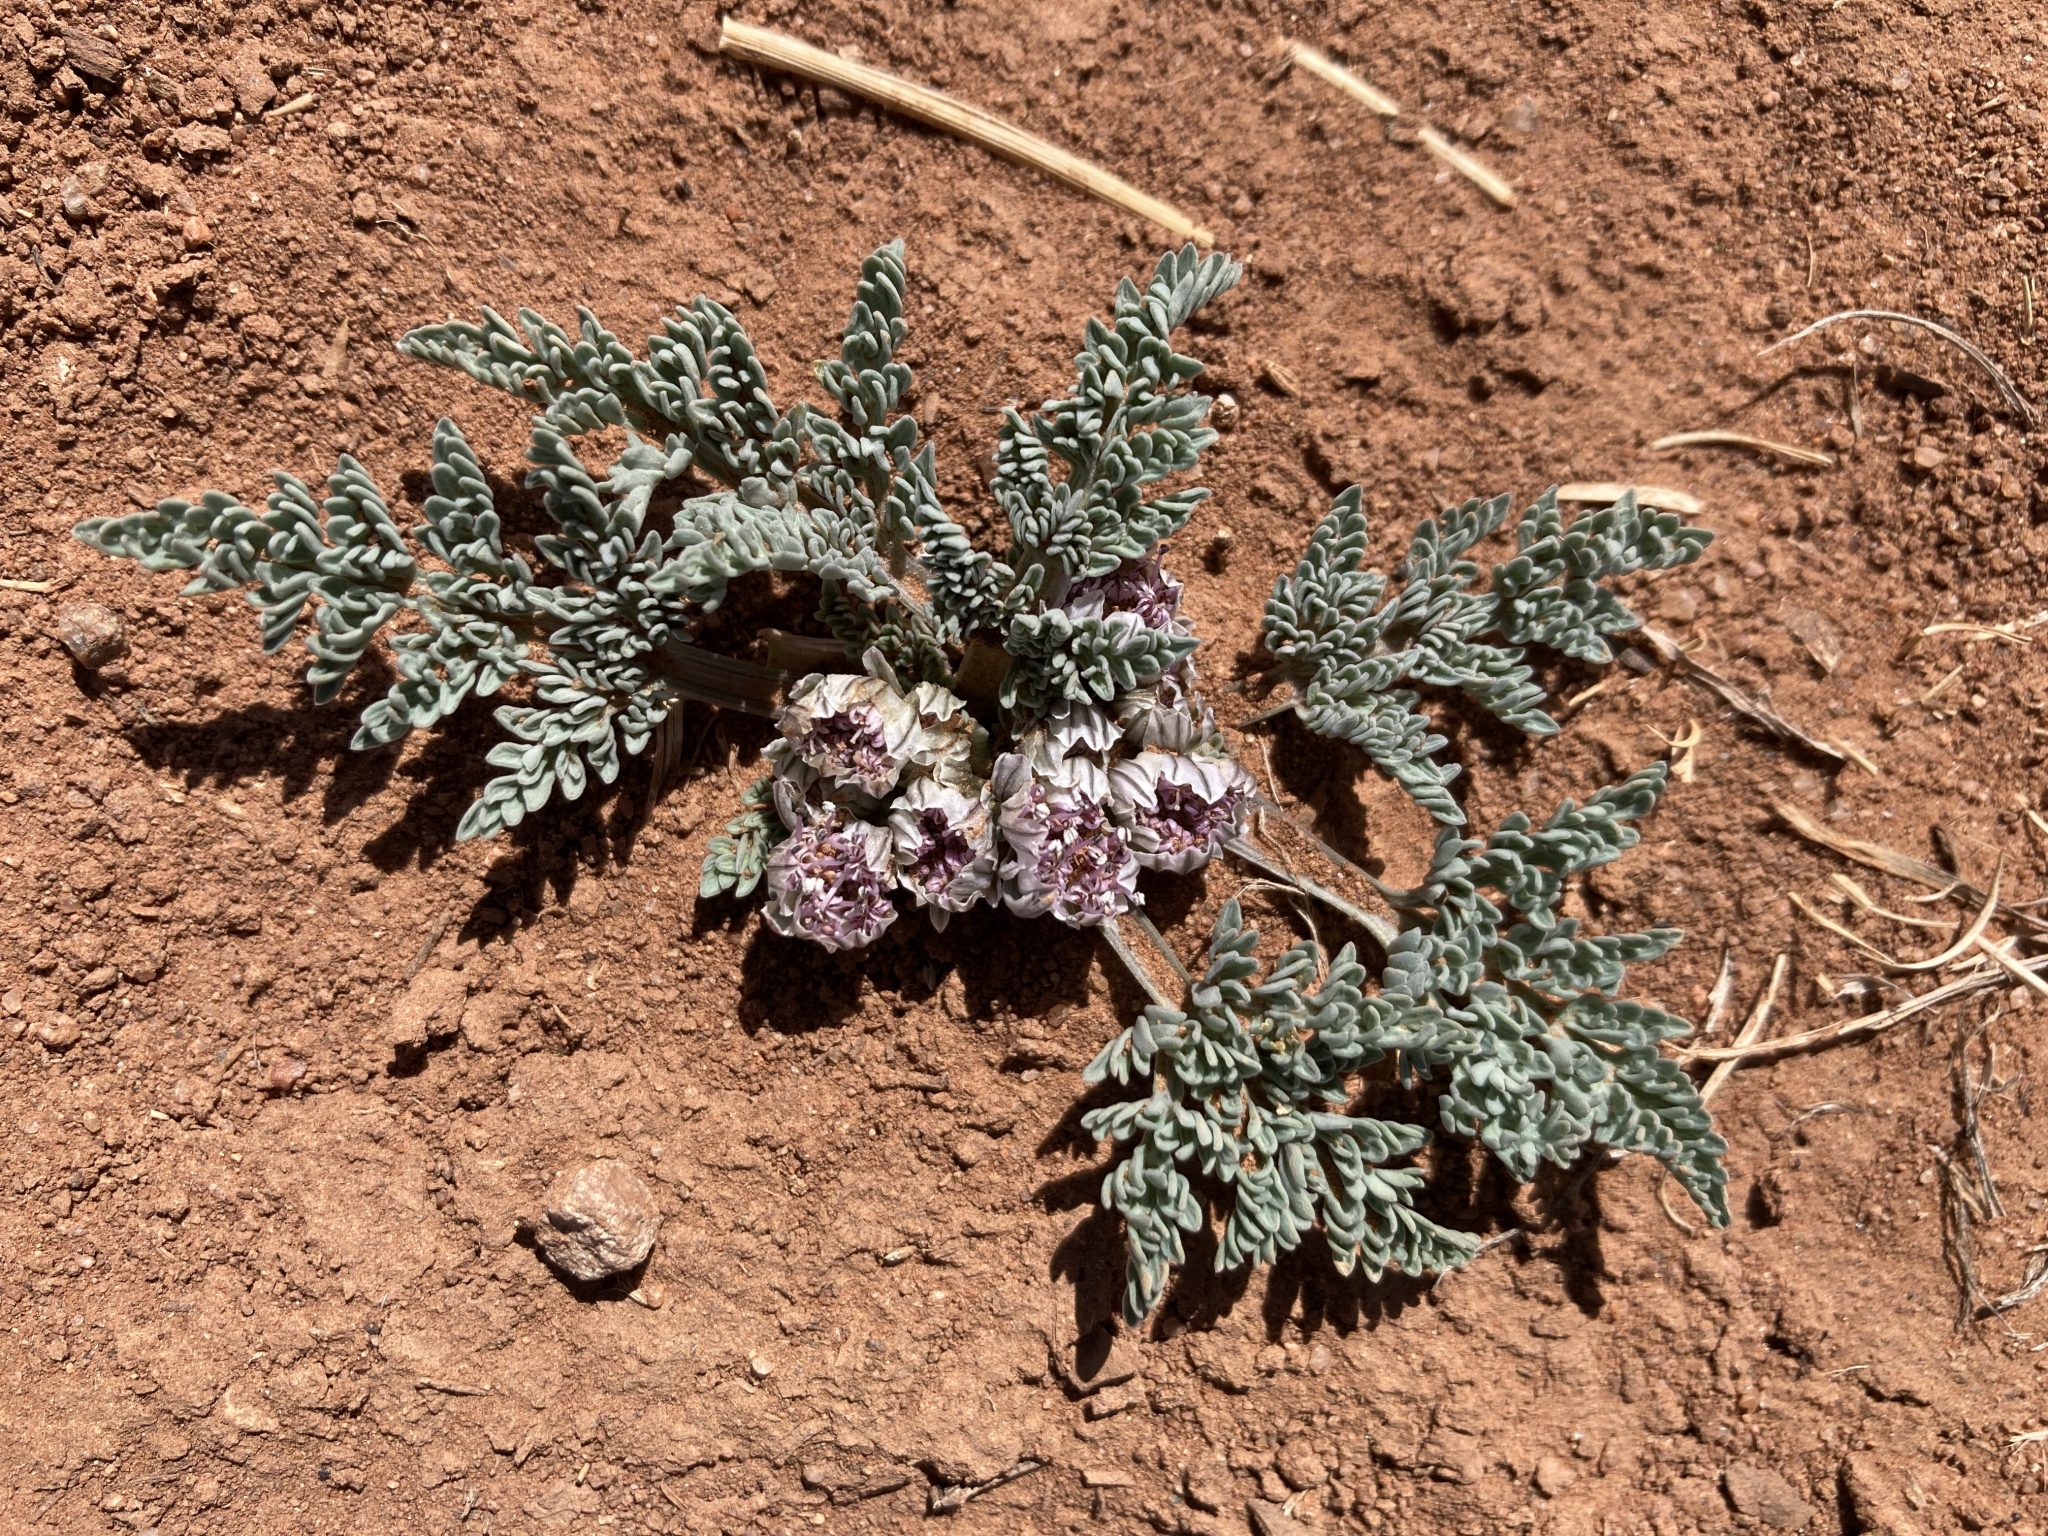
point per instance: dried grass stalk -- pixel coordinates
(1380, 104)
(1753, 710)
(1892, 862)
(1467, 165)
(2007, 390)
(1324, 68)
(1712, 439)
(1969, 983)
(2012, 632)
(2000, 955)
(1752, 1028)
(771, 50)
(1970, 939)
(1605, 493)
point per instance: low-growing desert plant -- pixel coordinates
(1027, 731)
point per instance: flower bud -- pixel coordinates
(947, 743)
(1166, 713)
(1139, 587)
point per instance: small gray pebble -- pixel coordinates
(96, 637)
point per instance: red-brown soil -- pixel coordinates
(231, 1307)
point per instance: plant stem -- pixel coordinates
(724, 681)
(1150, 929)
(1387, 893)
(1121, 948)
(979, 677)
(1274, 713)
(1381, 930)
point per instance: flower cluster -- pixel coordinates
(880, 789)
(887, 789)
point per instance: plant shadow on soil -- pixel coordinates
(297, 745)
(794, 987)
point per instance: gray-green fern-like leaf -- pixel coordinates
(1248, 1088)
(1550, 594)
(1541, 1061)
(1509, 1008)
(738, 857)
(1349, 648)
(343, 557)
(1131, 421)
(1061, 657)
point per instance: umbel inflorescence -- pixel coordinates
(1028, 732)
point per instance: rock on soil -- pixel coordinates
(94, 636)
(1764, 1495)
(599, 1220)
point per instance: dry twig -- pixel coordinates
(1324, 68)
(1966, 1204)
(1466, 165)
(1753, 710)
(1607, 492)
(1752, 1027)
(1877, 856)
(2012, 632)
(1967, 941)
(1965, 985)
(1723, 992)
(1380, 104)
(12, 584)
(2006, 389)
(1786, 451)
(945, 1502)
(771, 50)
(2035, 1282)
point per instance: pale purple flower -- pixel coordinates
(854, 730)
(1067, 854)
(945, 847)
(1139, 587)
(1179, 807)
(829, 882)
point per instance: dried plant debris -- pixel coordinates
(1380, 104)
(1025, 729)
(1753, 710)
(2007, 390)
(1811, 457)
(1602, 493)
(771, 50)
